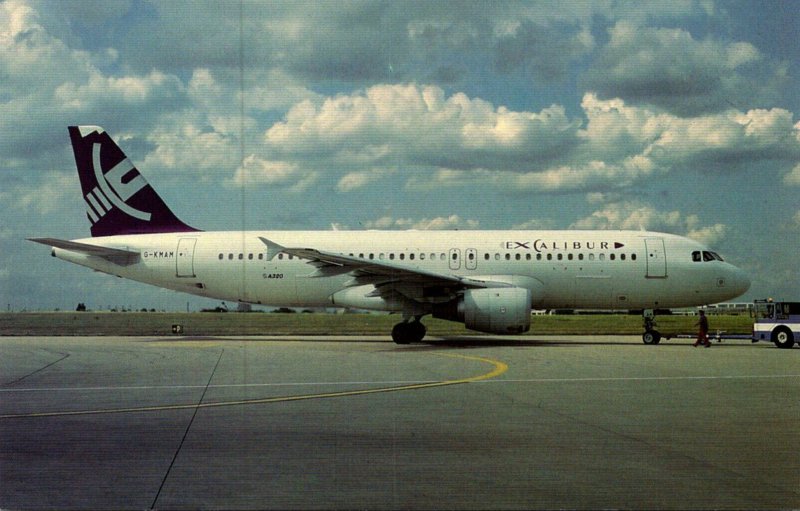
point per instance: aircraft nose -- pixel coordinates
(739, 281)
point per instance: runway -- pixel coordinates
(358, 422)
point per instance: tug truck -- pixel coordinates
(778, 322)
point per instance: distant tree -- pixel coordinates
(81, 307)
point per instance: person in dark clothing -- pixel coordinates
(702, 333)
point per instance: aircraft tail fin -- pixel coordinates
(119, 200)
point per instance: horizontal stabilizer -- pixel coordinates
(118, 256)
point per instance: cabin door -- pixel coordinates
(656, 258)
(185, 260)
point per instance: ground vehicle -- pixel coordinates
(778, 322)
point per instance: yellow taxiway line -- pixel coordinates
(499, 368)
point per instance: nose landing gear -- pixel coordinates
(650, 335)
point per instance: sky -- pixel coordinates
(679, 117)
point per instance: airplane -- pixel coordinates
(487, 280)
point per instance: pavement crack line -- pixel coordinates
(499, 368)
(186, 433)
(51, 364)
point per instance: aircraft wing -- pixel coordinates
(375, 271)
(118, 256)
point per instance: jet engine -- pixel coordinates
(505, 310)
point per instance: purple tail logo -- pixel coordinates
(118, 200)
(112, 189)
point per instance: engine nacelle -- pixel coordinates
(504, 310)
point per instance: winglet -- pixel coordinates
(273, 248)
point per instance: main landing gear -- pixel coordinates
(409, 331)
(650, 335)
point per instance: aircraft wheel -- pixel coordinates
(400, 333)
(783, 337)
(651, 337)
(408, 332)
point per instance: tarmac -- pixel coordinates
(524, 422)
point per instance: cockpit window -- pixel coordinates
(705, 256)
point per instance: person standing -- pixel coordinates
(702, 332)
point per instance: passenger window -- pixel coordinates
(633, 257)
(518, 257)
(496, 257)
(486, 256)
(250, 257)
(527, 257)
(411, 256)
(538, 257)
(241, 256)
(580, 257)
(569, 257)
(602, 257)
(612, 257)
(591, 257)
(549, 257)
(622, 256)
(508, 257)
(560, 257)
(391, 256)
(471, 256)
(221, 257)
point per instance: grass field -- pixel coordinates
(160, 323)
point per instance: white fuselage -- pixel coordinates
(563, 269)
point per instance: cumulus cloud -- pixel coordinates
(793, 177)
(355, 180)
(420, 124)
(182, 145)
(615, 129)
(426, 224)
(622, 145)
(47, 84)
(46, 196)
(535, 224)
(258, 171)
(669, 68)
(637, 216)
